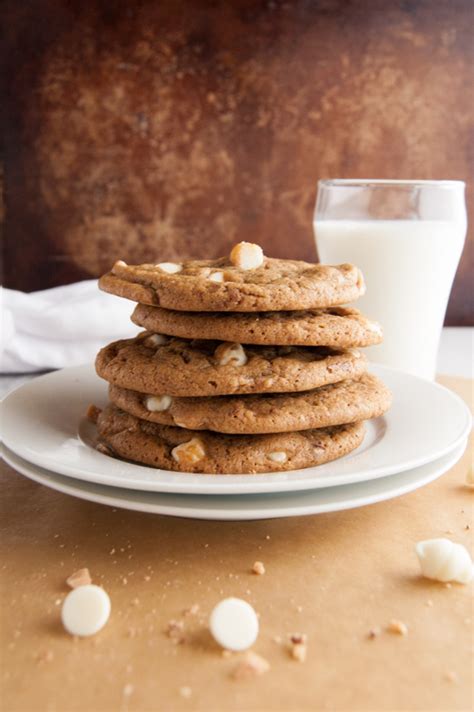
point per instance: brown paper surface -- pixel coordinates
(333, 577)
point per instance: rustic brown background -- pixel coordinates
(150, 130)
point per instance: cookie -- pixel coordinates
(171, 448)
(227, 284)
(153, 364)
(343, 402)
(338, 327)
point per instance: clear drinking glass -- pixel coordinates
(407, 238)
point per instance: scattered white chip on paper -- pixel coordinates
(234, 624)
(443, 560)
(85, 610)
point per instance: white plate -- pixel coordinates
(40, 424)
(241, 507)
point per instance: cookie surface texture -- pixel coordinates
(155, 365)
(220, 285)
(172, 448)
(337, 327)
(344, 402)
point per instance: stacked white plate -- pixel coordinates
(47, 438)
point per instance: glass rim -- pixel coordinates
(359, 182)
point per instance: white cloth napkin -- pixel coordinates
(64, 326)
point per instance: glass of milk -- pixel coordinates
(407, 238)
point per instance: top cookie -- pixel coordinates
(244, 282)
(337, 327)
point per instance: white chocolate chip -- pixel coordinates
(170, 267)
(85, 610)
(158, 403)
(189, 453)
(216, 277)
(79, 578)
(373, 326)
(278, 456)
(443, 560)
(120, 263)
(247, 255)
(234, 624)
(354, 352)
(156, 340)
(230, 353)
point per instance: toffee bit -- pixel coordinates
(397, 627)
(81, 577)
(258, 568)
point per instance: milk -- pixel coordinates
(409, 267)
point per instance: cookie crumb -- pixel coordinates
(451, 676)
(374, 633)
(277, 639)
(429, 603)
(398, 627)
(175, 631)
(251, 665)
(185, 692)
(102, 448)
(127, 690)
(45, 656)
(447, 585)
(258, 568)
(298, 647)
(192, 610)
(81, 577)
(93, 413)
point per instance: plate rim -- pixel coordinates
(436, 469)
(250, 486)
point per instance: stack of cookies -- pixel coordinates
(246, 364)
